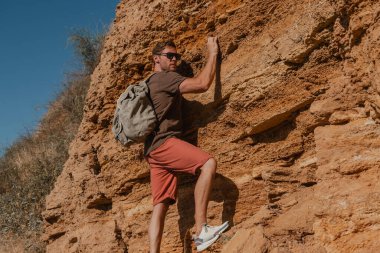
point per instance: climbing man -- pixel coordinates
(167, 154)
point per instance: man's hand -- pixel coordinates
(212, 45)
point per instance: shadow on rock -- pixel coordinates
(196, 114)
(224, 191)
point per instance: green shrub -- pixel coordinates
(30, 166)
(88, 47)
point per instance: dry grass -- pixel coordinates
(30, 166)
(15, 244)
(11, 245)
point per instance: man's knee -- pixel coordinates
(210, 165)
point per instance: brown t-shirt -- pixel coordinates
(167, 101)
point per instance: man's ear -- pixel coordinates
(156, 59)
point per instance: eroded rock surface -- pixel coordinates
(293, 120)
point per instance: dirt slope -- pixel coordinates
(293, 120)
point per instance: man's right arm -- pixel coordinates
(202, 82)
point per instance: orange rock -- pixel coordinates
(293, 120)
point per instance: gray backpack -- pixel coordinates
(134, 117)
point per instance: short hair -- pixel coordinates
(157, 50)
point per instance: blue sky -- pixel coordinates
(35, 55)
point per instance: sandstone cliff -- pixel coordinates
(293, 120)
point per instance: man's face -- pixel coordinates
(164, 62)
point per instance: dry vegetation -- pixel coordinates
(30, 166)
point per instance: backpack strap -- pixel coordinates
(154, 109)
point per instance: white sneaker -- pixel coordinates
(209, 235)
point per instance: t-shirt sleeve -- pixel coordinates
(172, 81)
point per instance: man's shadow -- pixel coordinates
(224, 191)
(195, 114)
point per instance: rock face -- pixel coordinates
(293, 119)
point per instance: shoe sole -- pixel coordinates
(205, 245)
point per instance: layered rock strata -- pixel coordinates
(292, 118)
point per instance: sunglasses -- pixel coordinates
(170, 56)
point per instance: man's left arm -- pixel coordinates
(202, 82)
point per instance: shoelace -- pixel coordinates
(196, 237)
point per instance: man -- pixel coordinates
(167, 154)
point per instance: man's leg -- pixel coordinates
(202, 192)
(156, 226)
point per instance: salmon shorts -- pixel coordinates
(173, 156)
